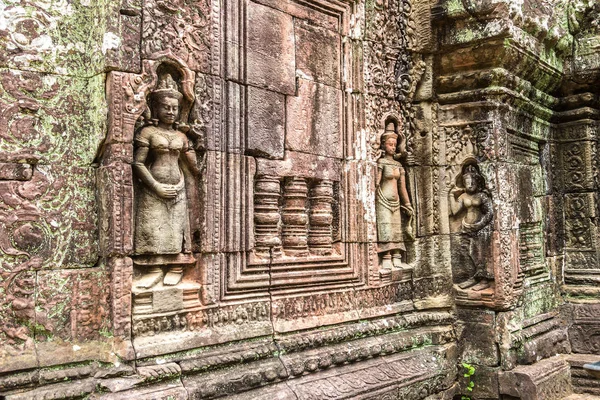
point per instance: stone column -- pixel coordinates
(320, 238)
(266, 216)
(295, 218)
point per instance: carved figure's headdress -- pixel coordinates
(167, 87)
(390, 132)
(470, 168)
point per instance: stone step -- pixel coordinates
(548, 379)
(582, 380)
(580, 396)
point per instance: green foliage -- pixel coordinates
(105, 332)
(469, 371)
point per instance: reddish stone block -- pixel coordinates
(37, 225)
(302, 165)
(318, 54)
(225, 223)
(50, 118)
(184, 27)
(576, 165)
(205, 112)
(17, 313)
(360, 202)
(270, 49)
(547, 379)
(266, 123)
(126, 96)
(584, 333)
(306, 11)
(116, 209)
(313, 123)
(233, 136)
(14, 171)
(476, 331)
(121, 270)
(117, 153)
(123, 37)
(485, 379)
(72, 305)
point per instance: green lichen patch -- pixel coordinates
(51, 119)
(58, 37)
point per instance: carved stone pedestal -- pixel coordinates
(162, 299)
(474, 298)
(395, 274)
(548, 379)
(170, 292)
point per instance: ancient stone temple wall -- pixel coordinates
(517, 89)
(190, 203)
(298, 199)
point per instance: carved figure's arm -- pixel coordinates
(139, 159)
(487, 211)
(142, 172)
(190, 159)
(404, 199)
(456, 206)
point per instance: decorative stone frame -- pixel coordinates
(235, 285)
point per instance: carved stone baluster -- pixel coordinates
(266, 216)
(295, 217)
(320, 218)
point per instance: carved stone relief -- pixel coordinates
(162, 223)
(48, 216)
(293, 217)
(150, 173)
(471, 206)
(246, 225)
(393, 207)
(178, 26)
(297, 198)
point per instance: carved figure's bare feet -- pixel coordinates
(150, 278)
(467, 284)
(173, 276)
(481, 285)
(386, 262)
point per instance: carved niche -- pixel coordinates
(484, 245)
(149, 190)
(471, 211)
(298, 234)
(394, 211)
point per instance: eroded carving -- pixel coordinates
(470, 205)
(391, 200)
(294, 217)
(163, 157)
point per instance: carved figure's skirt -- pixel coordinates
(162, 226)
(389, 224)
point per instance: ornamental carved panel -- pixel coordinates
(223, 212)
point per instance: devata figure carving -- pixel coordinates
(163, 156)
(469, 198)
(391, 199)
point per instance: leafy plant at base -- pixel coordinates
(469, 372)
